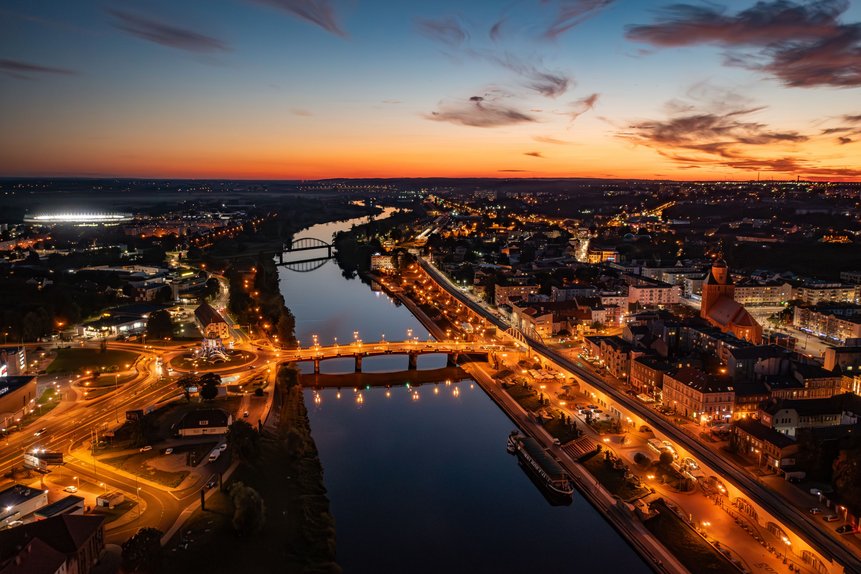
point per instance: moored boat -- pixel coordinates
(542, 465)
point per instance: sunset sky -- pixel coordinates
(365, 88)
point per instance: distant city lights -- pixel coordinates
(78, 218)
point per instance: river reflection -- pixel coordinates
(420, 481)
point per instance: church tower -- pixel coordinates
(716, 285)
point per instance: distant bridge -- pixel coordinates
(358, 350)
(313, 261)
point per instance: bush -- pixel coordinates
(642, 459)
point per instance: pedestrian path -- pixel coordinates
(579, 448)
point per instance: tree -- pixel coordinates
(142, 552)
(243, 440)
(209, 386)
(159, 325)
(249, 512)
(667, 458)
(211, 289)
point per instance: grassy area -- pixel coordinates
(688, 546)
(44, 404)
(525, 397)
(189, 363)
(612, 479)
(74, 360)
(137, 463)
(298, 535)
(107, 380)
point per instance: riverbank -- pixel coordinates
(298, 535)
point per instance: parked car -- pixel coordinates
(845, 529)
(146, 448)
(245, 415)
(168, 450)
(71, 489)
(222, 447)
(831, 518)
(815, 510)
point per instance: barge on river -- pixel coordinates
(542, 465)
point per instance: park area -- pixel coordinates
(81, 360)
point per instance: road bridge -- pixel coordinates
(412, 349)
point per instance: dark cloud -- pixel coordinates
(801, 44)
(166, 34)
(843, 140)
(27, 70)
(480, 112)
(447, 30)
(319, 12)
(728, 138)
(537, 154)
(571, 13)
(581, 106)
(852, 119)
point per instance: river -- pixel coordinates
(419, 478)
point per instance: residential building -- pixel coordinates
(651, 293)
(696, 394)
(751, 292)
(815, 293)
(647, 374)
(830, 321)
(764, 445)
(79, 539)
(502, 294)
(788, 416)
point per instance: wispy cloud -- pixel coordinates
(447, 30)
(802, 44)
(301, 112)
(572, 13)
(27, 70)
(579, 107)
(166, 34)
(319, 12)
(713, 135)
(550, 84)
(537, 154)
(480, 112)
(550, 140)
